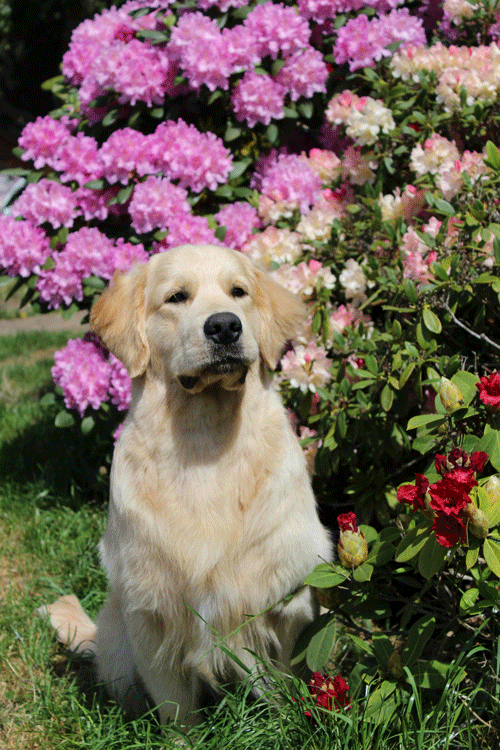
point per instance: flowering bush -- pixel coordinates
(348, 147)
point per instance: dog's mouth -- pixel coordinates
(214, 371)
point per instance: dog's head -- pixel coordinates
(196, 314)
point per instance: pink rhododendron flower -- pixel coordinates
(197, 44)
(277, 29)
(304, 73)
(120, 385)
(274, 246)
(239, 219)
(122, 153)
(306, 368)
(77, 158)
(187, 229)
(363, 42)
(49, 201)
(288, 184)
(23, 247)
(155, 203)
(258, 98)
(42, 139)
(83, 373)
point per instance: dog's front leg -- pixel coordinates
(174, 690)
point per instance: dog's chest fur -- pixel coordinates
(202, 507)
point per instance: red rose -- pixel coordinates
(489, 391)
(449, 530)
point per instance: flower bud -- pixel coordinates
(451, 396)
(477, 521)
(395, 665)
(352, 547)
(492, 487)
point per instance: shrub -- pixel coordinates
(350, 148)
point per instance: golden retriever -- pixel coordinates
(212, 521)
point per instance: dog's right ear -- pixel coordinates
(118, 318)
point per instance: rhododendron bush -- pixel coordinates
(349, 148)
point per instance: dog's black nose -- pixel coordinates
(223, 328)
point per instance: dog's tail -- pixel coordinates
(73, 626)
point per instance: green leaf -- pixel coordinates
(272, 133)
(431, 321)
(418, 636)
(490, 444)
(424, 420)
(386, 397)
(363, 572)
(380, 554)
(432, 557)
(403, 378)
(468, 600)
(491, 553)
(444, 207)
(87, 425)
(411, 544)
(383, 649)
(381, 704)
(410, 291)
(64, 419)
(95, 185)
(430, 675)
(471, 557)
(95, 282)
(124, 194)
(155, 37)
(325, 577)
(493, 515)
(239, 167)
(321, 646)
(493, 155)
(466, 382)
(48, 399)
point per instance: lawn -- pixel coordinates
(52, 512)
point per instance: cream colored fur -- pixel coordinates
(212, 521)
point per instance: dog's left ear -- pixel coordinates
(118, 318)
(281, 313)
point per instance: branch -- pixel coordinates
(481, 336)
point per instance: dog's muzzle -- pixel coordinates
(223, 331)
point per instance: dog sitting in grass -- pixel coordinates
(212, 522)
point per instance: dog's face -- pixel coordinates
(196, 315)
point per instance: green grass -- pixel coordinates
(51, 516)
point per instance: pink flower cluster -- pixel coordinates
(88, 376)
(49, 201)
(363, 42)
(287, 182)
(24, 248)
(87, 252)
(105, 55)
(239, 219)
(326, 10)
(178, 150)
(49, 142)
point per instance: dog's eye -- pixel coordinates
(177, 297)
(238, 291)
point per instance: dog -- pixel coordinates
(212, 522)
